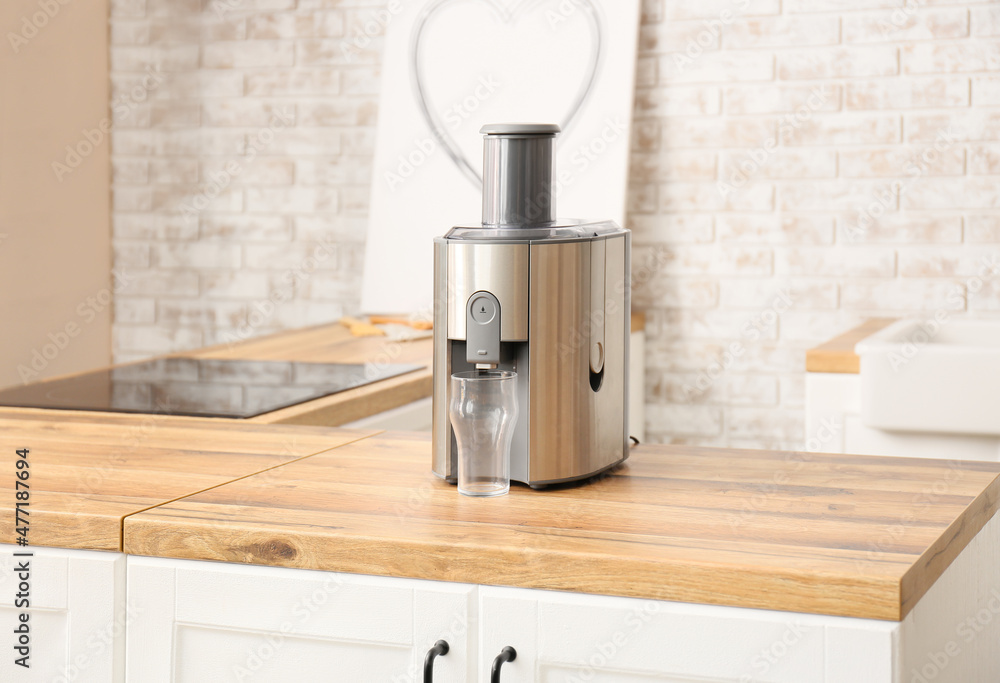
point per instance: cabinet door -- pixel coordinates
(565, 638)
(77, 617)
(209, 621)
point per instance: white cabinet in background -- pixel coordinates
(77, 619)
(210, 621)
(834, 425)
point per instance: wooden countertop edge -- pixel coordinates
(354, 404)
(935, 560)
(121, 536)
(518, 567)
(837, 355)
(67, 524)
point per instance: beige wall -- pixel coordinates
(55, 256)
(771, 139)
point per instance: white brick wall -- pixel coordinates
(859, 98)
(897, 75)
(241, 177)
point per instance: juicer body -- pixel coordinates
(556, 302)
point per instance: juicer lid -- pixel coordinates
(564, 230)
(520, 129)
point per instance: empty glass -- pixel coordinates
(483, 411)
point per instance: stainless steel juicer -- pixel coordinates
(548, 299)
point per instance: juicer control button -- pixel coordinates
(482, 330)
(483, 309)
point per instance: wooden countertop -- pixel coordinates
(837, 355)
(857, 536)
(88, 471)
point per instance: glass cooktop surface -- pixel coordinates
(199, 387)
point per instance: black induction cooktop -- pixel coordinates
(199, 387)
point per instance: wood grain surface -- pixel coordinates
(88, 471)
(837, 355)
(845, 535)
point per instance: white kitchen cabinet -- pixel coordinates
(207, 621)
(561, 638)
(204, 621)
(77, 619)
(834, 425)
(952, 635)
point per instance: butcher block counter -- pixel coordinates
(784, 531)
(89, 471)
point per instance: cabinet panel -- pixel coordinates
(227, 654)
(78, 615)
(565, 637)
(209, 621)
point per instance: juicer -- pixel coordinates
(546, 298)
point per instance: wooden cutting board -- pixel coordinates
(88, 471)
(844, 535)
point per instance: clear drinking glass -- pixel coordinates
(483, 411)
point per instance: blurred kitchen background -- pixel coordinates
(881, 198)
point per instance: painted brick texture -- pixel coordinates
(797, 166)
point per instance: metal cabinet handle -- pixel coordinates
(508, 654)
(440, 648)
